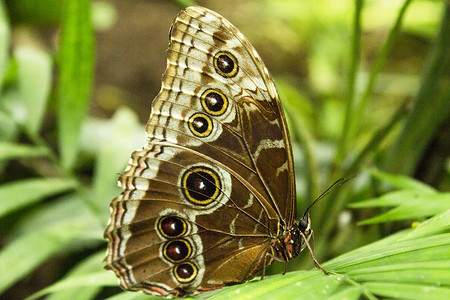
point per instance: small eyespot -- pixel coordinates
(226, 64)
(200, 125)
(172, 226)
(200, 185)
(185, 272)
(214, 102)
(177, 250)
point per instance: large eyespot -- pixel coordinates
(226, 64)
(214, 102)
(172, 226)
(186, 272)
(200, 125)
(177, 250)
(200, 185)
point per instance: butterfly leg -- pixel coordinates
(313, 242)
(272, 257)
(264, 265)
(312, 253)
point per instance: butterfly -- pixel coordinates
(210, 201)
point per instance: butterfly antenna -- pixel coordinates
(335, 185)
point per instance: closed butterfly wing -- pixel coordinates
(202, 202)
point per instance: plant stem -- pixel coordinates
(430, 107)
(319, 212)
(376, 140)
(354, 114)
(355, 54)
(356, 110)
(303, 136)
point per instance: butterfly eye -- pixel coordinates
(226, 64)
(214, 102)
(201, 186)
(200, 125)
(303, 225)
(185, 273)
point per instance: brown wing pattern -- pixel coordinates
(203, 199)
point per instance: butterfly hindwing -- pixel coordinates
(155, 192)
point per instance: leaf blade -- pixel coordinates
(12, 151)
(17, 258)
(408, 291)
(35, 77)
(5, 35)
(29, 191)
(76, 59)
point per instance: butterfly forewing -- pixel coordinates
(202, 201)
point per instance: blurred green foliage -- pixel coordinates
(365, 86)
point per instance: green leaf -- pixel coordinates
(76, 58)
(12, 151)
(5, 35)
(295, 285)
(8, 129)
(8, 132)
(410, 205)
(402, 181)
(114, 147)
(80, 283)
(135, 296)
(63, 208)
(13, 106)
(397, 198)
(414, 211)
(398, 251)
(38, 243)
(185, 3)
(417, 200)
(414, 272)
(76, 287)
(35, 78)
(436, 224)
(28, 191)
(408, 291)
(350, 293)
(89, 271)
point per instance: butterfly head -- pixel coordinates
(304, 232)
(304, 225)
(290, 241)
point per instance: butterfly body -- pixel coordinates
(210, 200)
